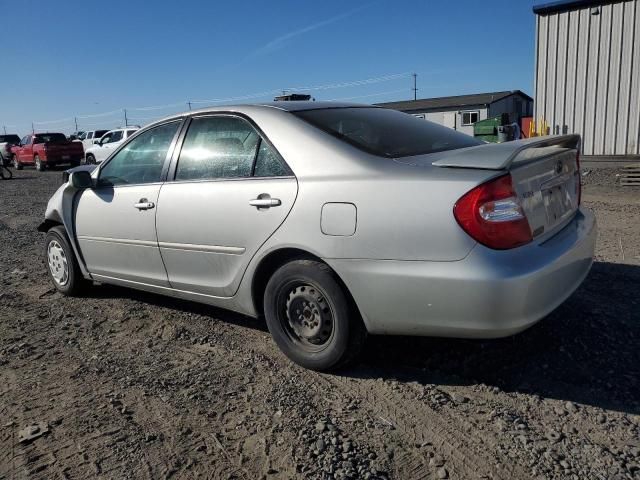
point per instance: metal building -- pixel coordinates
(462, 111)
(587, 78)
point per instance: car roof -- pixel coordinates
(291, 106)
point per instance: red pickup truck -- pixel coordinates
(46, 149)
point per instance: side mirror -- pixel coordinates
(80, 180)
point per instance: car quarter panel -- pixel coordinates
(489, 294)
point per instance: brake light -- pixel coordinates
(491, 213)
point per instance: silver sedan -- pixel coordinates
(331, 221)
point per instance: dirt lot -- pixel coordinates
(132, 385)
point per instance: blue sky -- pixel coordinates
(81, 58)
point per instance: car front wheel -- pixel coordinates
(63, 267)
(90, 159)
(310, 316)
(16, 163)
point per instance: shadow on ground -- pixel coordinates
(587, 351)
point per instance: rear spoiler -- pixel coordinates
(502, 156)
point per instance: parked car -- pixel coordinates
(76, 135)
(107, 144)
(45, 150)
(90, 138)
(6, 143)
(332, 221)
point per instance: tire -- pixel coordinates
(16, 163)
(5, 173)
(62, 264)
(311, 317)
(90, 160)
(39, 165)
(75, 163)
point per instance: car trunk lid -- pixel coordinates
(544, 172)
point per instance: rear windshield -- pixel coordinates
(387, 133)
(49, 138)
(9, 139)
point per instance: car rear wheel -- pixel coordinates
(16, 163)
(90, 160)
(311, 317)
(63, 267)
(39, 164)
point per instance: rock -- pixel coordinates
(31, 432)
(320, 445)
(564, 464)
(436, 461)
(570, 407)
(321, 427)
(442, 473)
(601, 418)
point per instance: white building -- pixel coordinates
(462, 111)
(587, 78)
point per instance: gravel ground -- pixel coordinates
(123, 384)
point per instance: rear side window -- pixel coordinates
(99, 133)
(9, 139)
(50, 138)
(142, 159)
(217, 147)
(386, 133)
(130, 132)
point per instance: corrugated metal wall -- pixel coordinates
(588, 76)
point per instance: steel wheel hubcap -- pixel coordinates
(58, 263)
(309, 314)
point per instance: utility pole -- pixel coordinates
(5, 129)
(75, 119)
(33, 129)
(189, 103)
(126, 122)
(415, 86)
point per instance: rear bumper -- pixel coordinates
(59, 160)
(488, 294)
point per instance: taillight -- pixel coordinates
(491, 213)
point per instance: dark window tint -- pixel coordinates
(385, 132)
(99, 133)
(130, 132)
(50, 138)
(89, 135)
(142, 159)
(269, 163)
(217, 147)
(15, 139)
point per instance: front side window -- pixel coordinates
(114, 137)
(89, 136)
(386, 133)
(25, 140)
(130, 132)
(217, 147)
(99, 133)
(142, 159)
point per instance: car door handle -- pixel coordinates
(144, 204)
(265, 202)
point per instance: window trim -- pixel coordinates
(173, 167)
(462, 112)
(165, 165)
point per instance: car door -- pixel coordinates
(115, 220)
(88, 140)
(229, 192)
(108, 144)
(26, 151)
